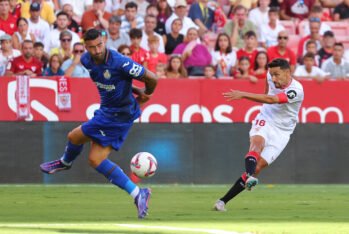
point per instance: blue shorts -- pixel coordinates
(107, 129)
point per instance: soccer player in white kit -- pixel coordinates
(272, 127)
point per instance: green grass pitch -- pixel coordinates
(182, 209)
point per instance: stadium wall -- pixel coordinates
(186, 153)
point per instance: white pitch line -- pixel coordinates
(169, 228)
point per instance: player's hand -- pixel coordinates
(233, 95)
(141, 96)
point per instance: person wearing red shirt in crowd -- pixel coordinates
(282, 51)
(155, 57)
(314, 24)
(7, 21)
(296, 9)
(260, 68)
(97, 17)
(26, 64)
(139, 55)
(250, 50)
(15, 9)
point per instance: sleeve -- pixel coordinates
(132, 69)
(194, 12)
(10, 66)
(38, 72)
(66, 64)
(292, 95)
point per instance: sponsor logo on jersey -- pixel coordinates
(291, 94)
(106, 74)
(126, 64)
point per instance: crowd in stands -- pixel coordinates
(178, 39)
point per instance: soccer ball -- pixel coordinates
(143, 164)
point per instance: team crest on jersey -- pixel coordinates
(291, 94)
(106, 74)
(21, 66)
(12, 25)
(33, 68)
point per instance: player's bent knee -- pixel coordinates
(94, 162)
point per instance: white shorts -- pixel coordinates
(275, 138)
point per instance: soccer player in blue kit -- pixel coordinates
(112, 73)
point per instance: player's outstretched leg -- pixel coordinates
(237, 188)
(64, 163)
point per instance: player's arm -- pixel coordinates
(266, 88)
(143, 94)
(262, 98)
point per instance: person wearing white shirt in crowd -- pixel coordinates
(62, 25)
(37, 26)
(315, 12)
(79, 6)
(259, 15)
(131, 19)
(180, 11)
(308, 70)
(150, 25)
(346, 56)
(223, 57)
(115, 36)
(269, 31)
(73, 67)
(7, 53)
(336, 65)
(141, 4)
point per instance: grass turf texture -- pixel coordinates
(105, 209)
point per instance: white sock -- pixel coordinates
(135, 192)
(66, 163)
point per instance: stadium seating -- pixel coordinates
(293, 41)
(339, 28)
(289, 25)
(344, 40)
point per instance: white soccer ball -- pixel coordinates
(143, 164)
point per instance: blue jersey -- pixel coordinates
(113, 79)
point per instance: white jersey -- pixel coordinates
(284, 115)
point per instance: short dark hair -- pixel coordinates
(310, 42)
(136, 33)
(91, 34)
(249, 34)
(131, 5)
(62, 13)
(279, 62)
(309, 55)
(38, 44)
(240, 7)
(273, 10)
(339, 44)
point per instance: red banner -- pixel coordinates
(177, 101)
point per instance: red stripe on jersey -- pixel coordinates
(282, 98)
(253, 154)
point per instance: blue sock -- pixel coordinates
(116, 176)
(71, 152)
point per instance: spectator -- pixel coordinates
(243, 70)
(238, 27)
(115, 36)
(309, 70)
(269, 31)
(164, 12)
(62, 25)
(54, 68)
(180, 11)
(65, 48)
(139, 55)
(7, 53)
(26, 64)
(97, 17)
(341, 12)
(7, 21)
(316, 13)
(260, 68)
(314, 24)
(250, 49)
(174, 38)
(210, 72)
(38, 27)
(161, 70)
(311, 47)
(125, 50)
(131, 19)
(248, 4)
(201, 15)
(40, 54)
(22, 33)
(336, 66)
(73, 25)
(327, 47)
(141, 6)
(45, 9)
(15, 8)
(296, 9)
(260, 15)
(195, 55)
(155, 56)
(175, 68)
(150, 25)
(223, 57)
(282, 51)
(73, 67)
(79, 6)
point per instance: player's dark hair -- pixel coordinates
(131, 5)
(279, 62)
(62, 13)
(136, 33)
(91, 34)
